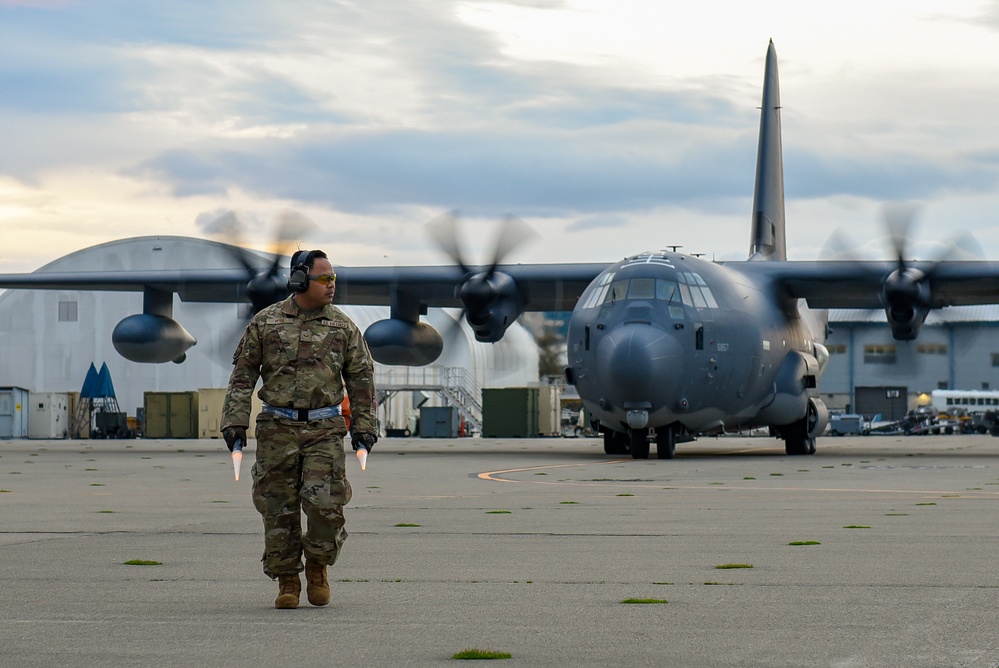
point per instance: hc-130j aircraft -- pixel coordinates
(661, 345)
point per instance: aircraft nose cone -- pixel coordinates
(640, 363)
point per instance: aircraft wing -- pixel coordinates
(849, 284)
(205, 285)
(546, 287)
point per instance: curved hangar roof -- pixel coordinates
(50, 337)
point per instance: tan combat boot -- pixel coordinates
(290, 590)
(318, 587)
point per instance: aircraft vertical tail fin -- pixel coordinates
(767, 238)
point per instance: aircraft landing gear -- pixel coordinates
(796, 438)
(639, 443)
(615, 443)
(666, 441)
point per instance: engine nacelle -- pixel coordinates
(149, 338)
(395, 341)
(906, 297)
(492, 303)
(905, 321)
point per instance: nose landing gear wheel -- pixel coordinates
(666, 442)
(639, 443)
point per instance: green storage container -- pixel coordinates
(510, 412)
(171, 414)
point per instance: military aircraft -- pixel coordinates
(662, 346)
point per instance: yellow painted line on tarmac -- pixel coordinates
(494, 476)
(491, 475)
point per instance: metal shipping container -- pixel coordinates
(13, 412)
(439, 422)
(170, 414)
(48, 415)
(510, 412)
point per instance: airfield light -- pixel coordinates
(362, 456)
(237, 457)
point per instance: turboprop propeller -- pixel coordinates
(907, 291)
(491, 300)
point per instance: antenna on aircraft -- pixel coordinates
(673, 248)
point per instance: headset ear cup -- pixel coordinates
(298, 281)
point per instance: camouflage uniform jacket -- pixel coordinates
(307, 360)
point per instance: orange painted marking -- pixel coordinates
(491, 475)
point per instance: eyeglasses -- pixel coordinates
(323, 279)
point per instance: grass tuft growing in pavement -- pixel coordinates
(644, 601)
(408, 524)
(926, 503)
(727, 566)
(569, 503)
(141, 562)
(804, 542)
(474, 654)
(857, 526)
(498, 512)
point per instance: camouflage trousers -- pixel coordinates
(300, 467)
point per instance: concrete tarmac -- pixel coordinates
(528, 547)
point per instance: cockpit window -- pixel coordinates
(690, 290)
(618, 290)
(642, 288)
(695, 291)
(667, 291)
(597, 292)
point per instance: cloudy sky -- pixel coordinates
(610, 126)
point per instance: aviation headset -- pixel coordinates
(301, 261)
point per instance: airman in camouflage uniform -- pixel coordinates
(308, 353)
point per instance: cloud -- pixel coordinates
(392, 112)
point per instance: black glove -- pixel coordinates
(233, 434)
(366, 441)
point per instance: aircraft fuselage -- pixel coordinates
(670, 340)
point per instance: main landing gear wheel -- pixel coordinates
(639, 443)
(796, 438)
(666, 442)
(615, 443)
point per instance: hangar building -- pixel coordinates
(869, 372)
(49, 338)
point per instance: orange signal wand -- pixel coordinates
(237, 457)
(362, 456)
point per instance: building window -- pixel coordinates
(932, 348)
(985, 386)
(879, 353)
(836, 349)
(995, 359)
(67, 312)
(942, 385)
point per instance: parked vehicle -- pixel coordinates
(848, 423)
